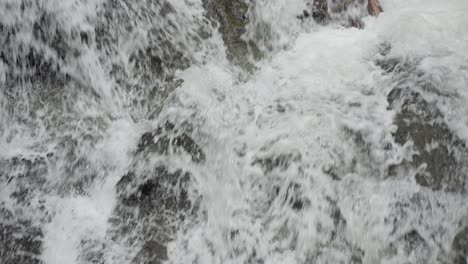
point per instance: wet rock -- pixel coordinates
(164, 191)
(281, 161)
(460, 247)
(92, 251)
(346, 12)
(24, 175)
(357, 256)
(320, 11)
(374, 7)
(158, 49)
(20, 236)
(149, 213)
(39, 53)
(167, 139)
(295, 198)
(413, 241)
(335, 212)
(438, 148)
(41, 59)
(152, 253)
(439, 152)
(154, 197)
(20, 241)
(232, 17)
(409, 245)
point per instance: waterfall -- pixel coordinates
(242, 131)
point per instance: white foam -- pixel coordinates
(325, 81)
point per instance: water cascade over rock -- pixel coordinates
(233, 131)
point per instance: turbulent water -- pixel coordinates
(144, 132)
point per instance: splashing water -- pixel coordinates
(128, 136)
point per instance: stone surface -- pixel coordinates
(153, 197)
(460, 247)
(21, 219)
(440, 154)
(232, 17)
(167, 139)
(281, 161)
(20, 241)
(346, 12)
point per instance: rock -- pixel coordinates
(152, 253)
(158, 50)
(437, 147)
(21, 236)
(20, 241)
(374, 8)
(164, 191)
(26, 176)
(160, 56)
(167, 139)
(161, 203)
(413, 241)
(91, 251)
(347, 12)
(460, 247)
(281, 161)
(409, 245)
(320, 11)
(440, 154)
(153, 198)
(232, 18)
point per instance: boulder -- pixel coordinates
(232, 18)
(439, 154)
(153, 197)
(460, 247)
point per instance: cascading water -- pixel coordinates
(210, 131)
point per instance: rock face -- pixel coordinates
(346, 12)
(440, 155)
(460, 247)
(436, 146)
(168, 139)
(154, 196)
(150, 66)
(232, 17)
(20, 231)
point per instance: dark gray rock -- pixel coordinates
(163, 191)
(281, 161)
(167, 139)
(26, 176)
(20, 241)
(440, 153)
(460, 247)
(21, 236)
(437, 146)
(232, 17)
(150, 213)
(153, 199)
(336, 11)
(149, 72)
(92, 251)
(152, 253)
(413, 241)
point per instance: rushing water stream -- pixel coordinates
(170, 132)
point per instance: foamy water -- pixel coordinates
(297, 152)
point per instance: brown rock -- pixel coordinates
(374, 7)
